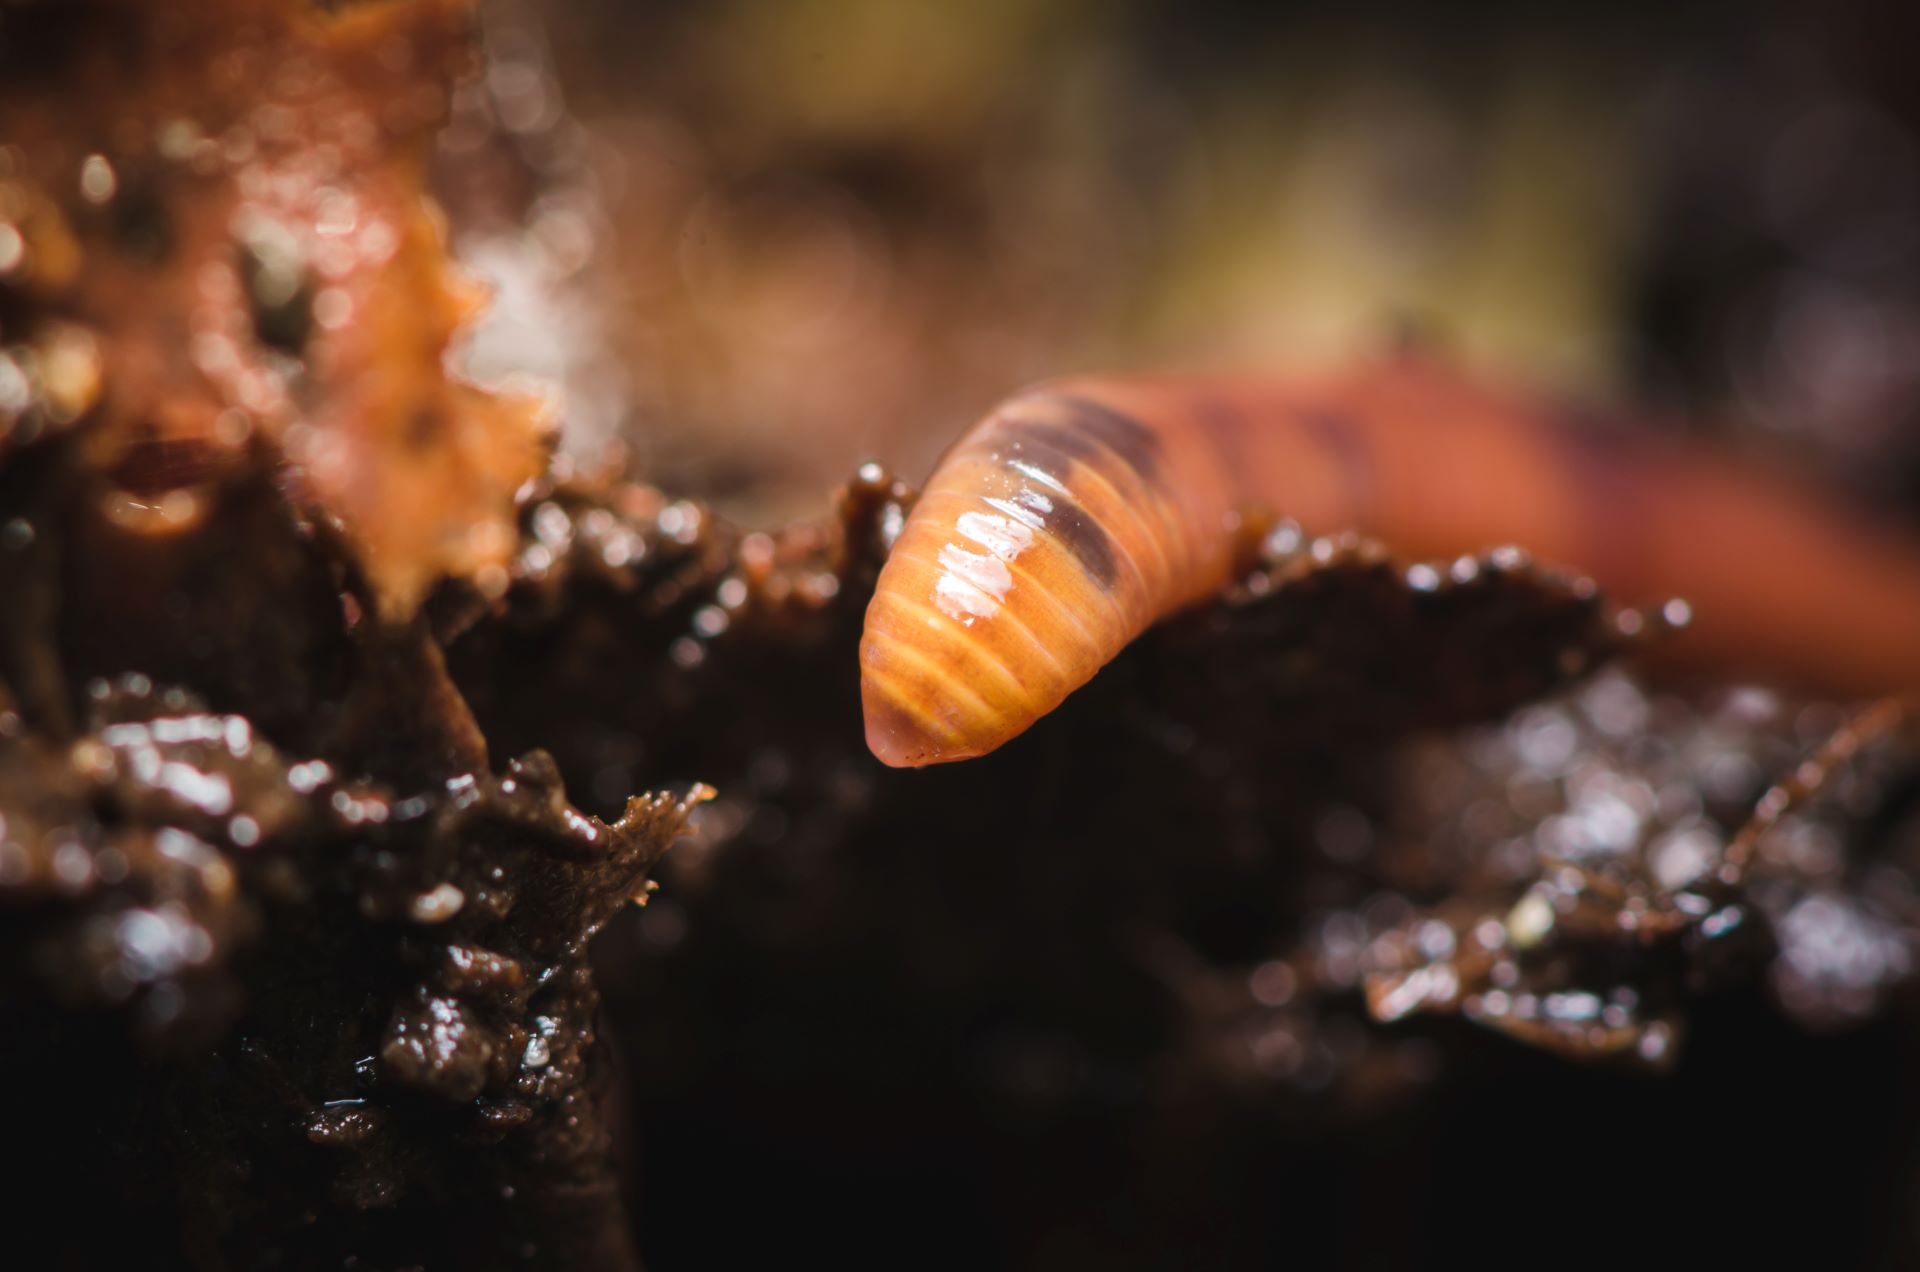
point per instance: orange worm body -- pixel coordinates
(1081, 512)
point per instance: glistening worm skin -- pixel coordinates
(1081, 512)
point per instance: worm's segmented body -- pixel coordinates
(1081, 512)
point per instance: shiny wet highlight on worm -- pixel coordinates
(1079, 513)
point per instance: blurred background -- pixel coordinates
(758, 241)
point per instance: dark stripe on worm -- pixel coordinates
(1082, 447)
(1052, 450)
(1056, 450)
(1135, 444)
(1085, 538)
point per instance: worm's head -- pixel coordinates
(912, 717)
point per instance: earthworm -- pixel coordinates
(1080, 512)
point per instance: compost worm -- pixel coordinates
(1080, 512)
